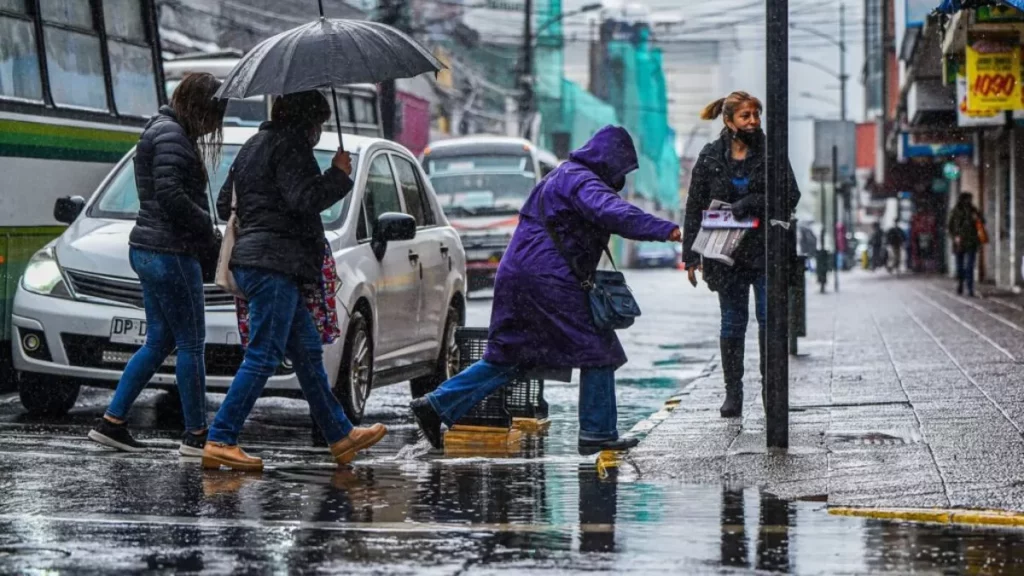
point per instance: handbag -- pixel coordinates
(612, 305)
(982, 233)
(224, 278)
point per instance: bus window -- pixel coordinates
(19, 60)
(73, 58)
(131, 58)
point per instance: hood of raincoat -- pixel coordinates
(610, 154)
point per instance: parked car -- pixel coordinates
(78, 313)
(657, 255)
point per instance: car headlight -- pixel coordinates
(42, 275)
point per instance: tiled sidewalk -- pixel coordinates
(904, 396)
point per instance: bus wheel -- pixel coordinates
(46, 395)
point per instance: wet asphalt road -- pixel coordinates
(67, 505)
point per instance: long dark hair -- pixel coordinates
(200, 114)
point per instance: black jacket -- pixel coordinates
(281, 194)
(174, 206)
(963, 224)
(712, 180)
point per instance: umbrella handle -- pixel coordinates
(337, 120)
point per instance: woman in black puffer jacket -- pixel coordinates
(173, 233)
(280, 247)
(731, 169)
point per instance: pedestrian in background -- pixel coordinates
(541, 317)
(277, 191)
(964, 224)
(172, 238)
(731, 169)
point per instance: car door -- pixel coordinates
(397, 282)
(432, 249)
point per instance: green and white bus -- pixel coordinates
(78, 80)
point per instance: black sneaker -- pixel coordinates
(193, 444)
(591, 447)
(115, 436)
(429, 421)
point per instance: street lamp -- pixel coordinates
(819, 98)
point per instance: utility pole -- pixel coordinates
(843, 76)
(835, 216)
(393, 13)
(779, 211)
(526, 68)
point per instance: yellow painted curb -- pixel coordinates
(607, 460)
(936, 515)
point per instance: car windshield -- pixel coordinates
(120, 198)
(481, 184)
(482, 193)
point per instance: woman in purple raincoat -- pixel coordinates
(541, 317)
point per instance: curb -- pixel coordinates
(936, 515)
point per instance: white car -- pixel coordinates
(78, 313)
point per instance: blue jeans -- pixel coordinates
(172, 294)
(597, 410)
(734, 300)
(279, 324)
(965, 270)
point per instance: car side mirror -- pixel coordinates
(391, 227)
(67, 209)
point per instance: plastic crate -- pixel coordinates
(521, 398)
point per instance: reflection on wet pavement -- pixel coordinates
(67, 505)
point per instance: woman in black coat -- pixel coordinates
(731, 169)
(280, 246)
(173, 234)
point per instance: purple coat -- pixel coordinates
(541, 316)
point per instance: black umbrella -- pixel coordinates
(327, 53)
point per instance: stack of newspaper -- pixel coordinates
(721, 232)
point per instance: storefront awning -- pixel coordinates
(952, 6)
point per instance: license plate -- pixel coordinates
(128, 331)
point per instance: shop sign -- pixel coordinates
(967, 118)
(993, 77)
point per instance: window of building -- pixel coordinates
(19, 59)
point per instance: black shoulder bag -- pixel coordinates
(612, 305)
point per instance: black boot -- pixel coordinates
(732, 368)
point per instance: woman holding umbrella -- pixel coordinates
(279, 194)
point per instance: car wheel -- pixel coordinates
(449, 361)
(355, 377)
(51, 397)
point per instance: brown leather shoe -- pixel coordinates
(344, 450)
(216, 455)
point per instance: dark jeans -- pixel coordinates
(597, 410)
(172, 294)
(965, 270)
(734, 300)
(279, 324)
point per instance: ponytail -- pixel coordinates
(713, 110)
(727, 106)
